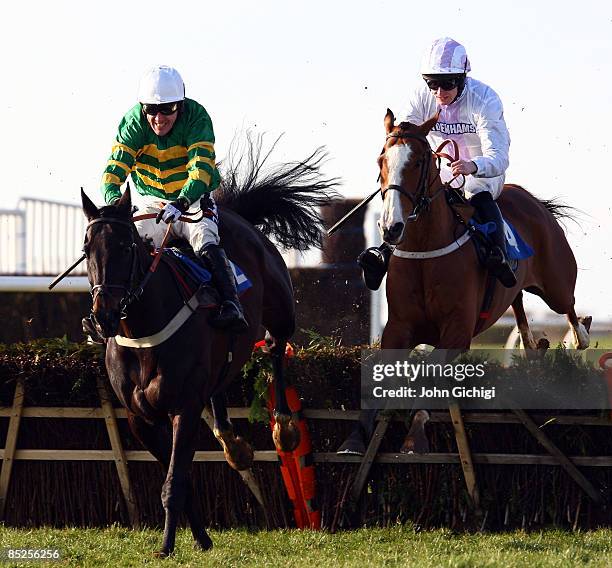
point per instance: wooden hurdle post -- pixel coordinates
(11, 445)
(246, 475)
(465, 454)
(121, 463)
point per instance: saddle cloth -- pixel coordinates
(199, 275)
(517, 248)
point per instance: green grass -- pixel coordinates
(397, 546)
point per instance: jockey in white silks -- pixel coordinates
(471, 114)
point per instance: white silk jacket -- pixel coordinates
(476, 122)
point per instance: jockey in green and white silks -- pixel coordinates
(471, 114)
(166, 143)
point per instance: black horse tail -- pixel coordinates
(559, 210)
(282, 202)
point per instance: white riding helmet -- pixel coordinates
(161, 84)
(445, 56)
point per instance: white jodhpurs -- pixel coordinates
(204, 232)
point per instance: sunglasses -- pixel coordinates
(165, 108)
(444, 84)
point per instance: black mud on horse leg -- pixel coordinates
(286, 434)
(238, 453)
(157, 438)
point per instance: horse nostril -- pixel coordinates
(393, 234)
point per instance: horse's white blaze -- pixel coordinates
(397, 157)
(581, 336)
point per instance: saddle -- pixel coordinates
(193, 275)
(468, 215)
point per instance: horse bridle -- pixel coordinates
(133, 290)
(419, 199)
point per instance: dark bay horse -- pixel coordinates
(165, 388)
(439, 300)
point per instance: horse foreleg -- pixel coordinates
(529, 342)
(580, 327)
(176, 488)
(286, 434)
(157, 438)
(238, 453)
(355, 444)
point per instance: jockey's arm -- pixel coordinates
(494, 139)
(201, 167)
(120, 162)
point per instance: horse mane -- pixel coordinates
(281, 202)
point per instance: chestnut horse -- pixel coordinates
(165, 387)
(439, 300)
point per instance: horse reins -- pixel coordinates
(134, 291)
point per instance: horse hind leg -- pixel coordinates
(286, 434)
(580, 328)
(238, 453)
(529, 342)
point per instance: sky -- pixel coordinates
(323, 74)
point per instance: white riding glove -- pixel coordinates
(173, 210)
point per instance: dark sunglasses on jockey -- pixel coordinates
(165, 108)
(444, 84)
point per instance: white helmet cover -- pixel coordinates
(445, 56)
(161, 84)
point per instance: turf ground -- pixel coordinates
(396, 546)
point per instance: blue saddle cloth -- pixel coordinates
(203, 276)
(517, 248)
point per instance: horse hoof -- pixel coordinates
(238, 453)
(581, 332)
(352, 446)
(286, 434)
(543, 344)
(416, 439)
(162, 553)
(240, 456)
(203, 543)
(415, 445)
(586, 321)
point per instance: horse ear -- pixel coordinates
(389, 121)
(89, 209)
(126, 199)
(429, 124)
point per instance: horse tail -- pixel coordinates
(282, 202)
(559, 209)
(554, 206)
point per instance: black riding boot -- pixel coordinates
(497, 259)
(374, 262)
(91, 331)
(230, 314)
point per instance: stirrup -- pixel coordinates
(498, 264)
(229, 317)
(373, 262)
